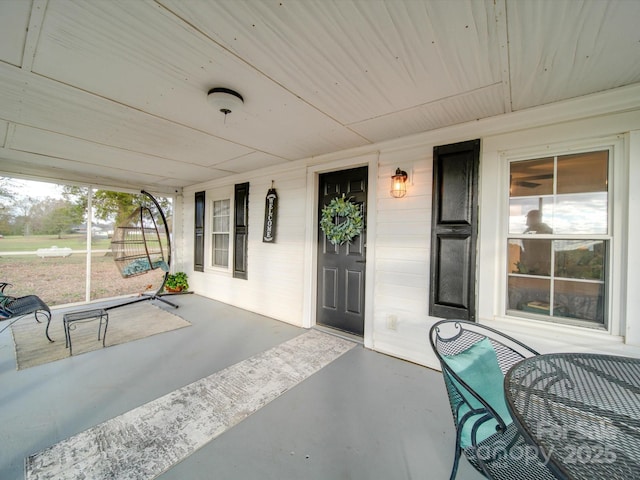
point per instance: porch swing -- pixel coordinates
(139, 245)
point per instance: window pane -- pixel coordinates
(583, 172)
(581, 214)
(580, 300)
(221, 207)
(224, 223)
(220, 224)
(221, 242)
(221, 258)
(519, 209)
(221, 250)
(580, 259)
(535, 258)
(221, 211)
(551, 201)
(531, 177)
(529, 294)
(515, 255)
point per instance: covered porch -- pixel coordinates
(366, 415)
(116, 96)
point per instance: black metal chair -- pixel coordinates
(14, 308)
(474, 359)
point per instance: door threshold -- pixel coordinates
(339, 333)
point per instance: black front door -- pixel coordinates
(341, 268)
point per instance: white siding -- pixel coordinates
(275, 270)
(402, 255)
(398, 251)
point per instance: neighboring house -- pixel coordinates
(537, 150)
(97, 230)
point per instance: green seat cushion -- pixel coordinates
(478, 367)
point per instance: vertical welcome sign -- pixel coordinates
(270, 216)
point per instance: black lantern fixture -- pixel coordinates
(399, 184)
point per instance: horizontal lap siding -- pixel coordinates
(399, 255)
(274, 286)
(403, 233)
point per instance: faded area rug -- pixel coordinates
(126, 324)
(147, 441)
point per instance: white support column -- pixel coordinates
(87, 286)
(632, 310)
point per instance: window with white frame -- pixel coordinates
(220, 233)
(559, 238)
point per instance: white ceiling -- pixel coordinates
(114, 92)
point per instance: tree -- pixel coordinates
(6, 217)
(5, 188)
(116, 207)
(61, 217)
(23, 219)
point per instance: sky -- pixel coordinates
(24, 188)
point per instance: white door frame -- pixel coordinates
(369, 160)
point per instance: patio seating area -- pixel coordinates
(364, 416)
(474, 359)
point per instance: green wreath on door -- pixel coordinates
(349, 224)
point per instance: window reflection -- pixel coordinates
(580, 259)
(535, 258)
(583, 172)
(584, 213)
(579, 300)
(529, 294)
(519, 208)
(531, 177)
(551, 272)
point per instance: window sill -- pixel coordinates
(551, 337)
(540, 315)
(218, 271)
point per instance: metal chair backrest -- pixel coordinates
(15, 308)
(476, 415)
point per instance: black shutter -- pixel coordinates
(198, 250)
(454, 230)
(241, 230)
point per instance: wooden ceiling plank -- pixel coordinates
(38, 8)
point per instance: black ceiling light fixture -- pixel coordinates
(225, 100)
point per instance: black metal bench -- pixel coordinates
(15, 308)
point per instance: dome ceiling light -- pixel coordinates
(225, 99)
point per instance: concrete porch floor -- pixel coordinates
(365, 416)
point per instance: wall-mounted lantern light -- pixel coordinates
(399, 184)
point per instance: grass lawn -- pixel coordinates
(61, 280)
(31, 243)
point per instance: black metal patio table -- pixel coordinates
(70, 319)
(580, 411)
